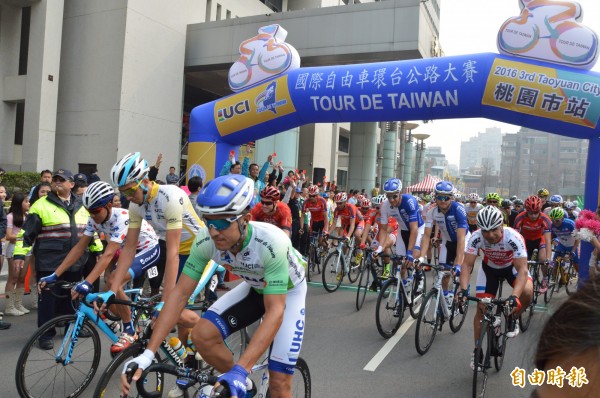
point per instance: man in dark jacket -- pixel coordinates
(55, 223)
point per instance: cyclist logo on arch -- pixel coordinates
(550, 31)
(263, 57)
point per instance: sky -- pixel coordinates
(469, 27)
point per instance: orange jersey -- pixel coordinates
(318, 209)
(532, 229)
(281, 218)
(346, 214)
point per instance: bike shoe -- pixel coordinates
(125, 340)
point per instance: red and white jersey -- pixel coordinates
(501, 254)
(281, 218)
(116, 227)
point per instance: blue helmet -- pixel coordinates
(229, 194)
(393, 185)
(556, 199)
(444, 188)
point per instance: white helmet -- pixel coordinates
(490, 217)
(473, 197)
(228, 194)
(378, 200)
(97, 195)
(131, 168)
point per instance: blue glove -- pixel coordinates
(83, 288)
(49, 279)
(235, 379)
(457, 270)
(409, 256)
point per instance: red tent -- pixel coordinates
(425, 186)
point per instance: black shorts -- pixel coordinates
(532, 245)
(317, 226)
(488, 279)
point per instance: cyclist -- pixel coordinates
(536, 228)
(450, 217)
(273, 289)
(405, 209)
(317, 207)
(544, 194)
(168, 209)
(555, 201)
(505, 257)
(273, 211)
(517, 206)
(113, 223)
(572, 213)
(563, 229)
(509, 212)
(472, 209)
(348, 220)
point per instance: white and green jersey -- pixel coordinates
(267, 260)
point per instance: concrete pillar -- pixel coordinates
(39, 130)
(409, 151)
(389, 151)
(363, 154)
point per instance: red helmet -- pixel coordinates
(533, 204)
(359, 199)
(270, 193)
(313, 190)
(366, 203)
(340, 197)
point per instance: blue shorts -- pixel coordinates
(145, 260)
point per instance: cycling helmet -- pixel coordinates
(313, 190)
(473, 197)
(229, 194)
(493, 196)
(506, 203)
(543, 192)
(556, 199)
(359, 199)
(427, 198)
(490, 217)
(533, 204)
(131, 168)
(513, 198)
(557, 213)
(270, 193)
(340, 197)
(325, 195)
(98, 195)
(444, 188)
(366, 203)
(517, 202)
(570, 205)
(393, 185)
(377, 200)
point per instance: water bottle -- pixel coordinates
(178, 347)
(496, 324)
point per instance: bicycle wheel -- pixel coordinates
(109, 384)
(333, 272)
(456, 318)
(301, 383)
(572, 280)
(417, 293)
(389, 314)
(355, 270)
(525, 317)
(427, 323)
(363, 285)
(40, 373)
(310, 263)
(481, 362)
(499, 344)
(553, 281)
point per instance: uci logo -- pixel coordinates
(238, 109)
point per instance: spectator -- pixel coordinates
(172, 178)
(153, 173)
(3, 324)
(51, 219)
(194, 185)
(45, 176)
(39, 190)
(375, 191)
(231, 166)
(257, 176)
(81, 184)
(116, 201)
(94, 177)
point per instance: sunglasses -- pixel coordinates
(313, 196)
(529, 213)
(266, 203)
(58, 179)
(394, 196)
(95, 211)
(443, 198)
(221, 223)
(492, 202)
(131, 191)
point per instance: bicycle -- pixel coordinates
(435, 311)
(392, 301)
(561, 275)
(536, 275)
(339, 264)
(316, 252)
(491, 343)
(41, 373)
(371, 268)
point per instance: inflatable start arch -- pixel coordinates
(519, 86)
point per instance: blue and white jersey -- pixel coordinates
(455, 217)
(564, 233)
(407, 212)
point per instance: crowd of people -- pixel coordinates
(256, 221)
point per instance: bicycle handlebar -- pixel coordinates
(198, 376)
